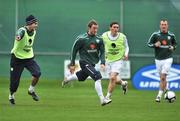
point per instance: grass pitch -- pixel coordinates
(79, 102)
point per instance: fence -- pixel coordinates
(60, 21)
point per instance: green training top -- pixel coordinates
(166, 39)
(90, 48)
(22, 48)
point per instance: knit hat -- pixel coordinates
(30, 20)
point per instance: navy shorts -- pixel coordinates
(18, 65)
(88, 70)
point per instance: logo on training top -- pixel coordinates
(169, 37)
(92, 46)
(164, 42)
(147, 78)
(18, 37)
(97, 40)
(113, 45)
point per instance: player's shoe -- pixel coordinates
(64, 82)
(34, 96)
(125, 87)
(158, 99)
(105, 101)
(108, 98)
(11, 99)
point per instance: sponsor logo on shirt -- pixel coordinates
(164, 42)
(92, 46)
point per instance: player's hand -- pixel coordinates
(125, 58)
(157, 44)
(72, 69)
(102, 67)
(171, 48)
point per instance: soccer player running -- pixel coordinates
(91, 50)
(164, 43)
(116, 50)
(22, 56)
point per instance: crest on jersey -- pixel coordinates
(169, 37)
(18, 37)
(97, 40)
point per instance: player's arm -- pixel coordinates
(19, 34)
(102, 52)
(152, 41)
(126, 49)
(76, 46)
(173, 43)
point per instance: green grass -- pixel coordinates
(79, 102)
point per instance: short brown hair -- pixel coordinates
(92, 22)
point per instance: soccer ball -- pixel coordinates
(170, 96)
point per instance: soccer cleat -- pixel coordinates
(64, 82)
(34, 96)
(125, 87)
(108, 98)
(158, 99)
(11, 99)
(105, 101)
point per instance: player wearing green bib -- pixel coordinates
(22, 56)
(23, 49)
(116, 50)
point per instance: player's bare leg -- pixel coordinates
(163, 77)
(70, 77)
(163, 84)
(112, 83)
(31, 90)
(124, 85)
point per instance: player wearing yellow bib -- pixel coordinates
(116, 50)
(22, 56)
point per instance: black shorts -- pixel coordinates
(88, 70)
(18, 65)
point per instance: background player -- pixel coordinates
(116, 49)
(164, 43)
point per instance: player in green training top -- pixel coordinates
(164, 43)
(22, 56)
(116, 49)
(91, 50)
